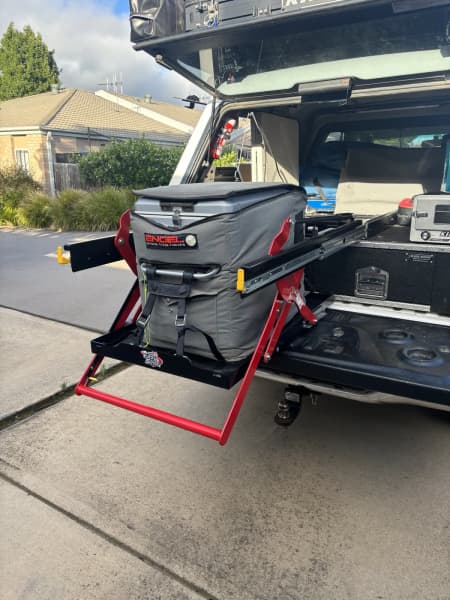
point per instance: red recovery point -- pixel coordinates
(288, 293)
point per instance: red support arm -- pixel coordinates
(220, 435)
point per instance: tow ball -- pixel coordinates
(289, 407)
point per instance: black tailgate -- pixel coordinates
(394, 356)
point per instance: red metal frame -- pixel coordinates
(122, 242)
(288, 293)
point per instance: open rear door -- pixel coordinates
(240, 50)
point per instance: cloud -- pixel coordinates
(91, 44)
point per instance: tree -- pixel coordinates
(132, 163)
(27, 66)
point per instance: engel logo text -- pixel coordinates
(170, 241)
(163, 239)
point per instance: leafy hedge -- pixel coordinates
(132, 163)
(16, 188)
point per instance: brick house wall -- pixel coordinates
(36, 146)
(6, 151)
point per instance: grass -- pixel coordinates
(71, 210)
(65, 209)
(100, 210)
(35, 212)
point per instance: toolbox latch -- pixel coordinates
(371, 282)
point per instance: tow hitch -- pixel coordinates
(289, 407)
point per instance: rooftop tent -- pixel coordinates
(150, 19)
(155, 18)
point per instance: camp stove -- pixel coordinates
(431, 219)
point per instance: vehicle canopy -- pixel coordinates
(237, 49)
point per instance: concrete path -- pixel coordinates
(351, 502)
(39, 359)
(47, 556)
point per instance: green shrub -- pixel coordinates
(229, 157)
(35, 212)
(100, 210)
(78, 210)
(132, 163)
(16, 186)
(65, 209)
(9, 215)
(14, 180)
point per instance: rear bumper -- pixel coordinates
(369, 397)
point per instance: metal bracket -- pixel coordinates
(263, 272)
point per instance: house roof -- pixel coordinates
(87, 110)
(82, 112)
(33, 110)
(174, 111)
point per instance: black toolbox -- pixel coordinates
(387, 268)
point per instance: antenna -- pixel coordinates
(116, 84)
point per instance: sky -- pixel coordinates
(91, 40)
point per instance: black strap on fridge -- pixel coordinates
(180, 292)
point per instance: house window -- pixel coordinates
(69, 157)
(22, 160)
